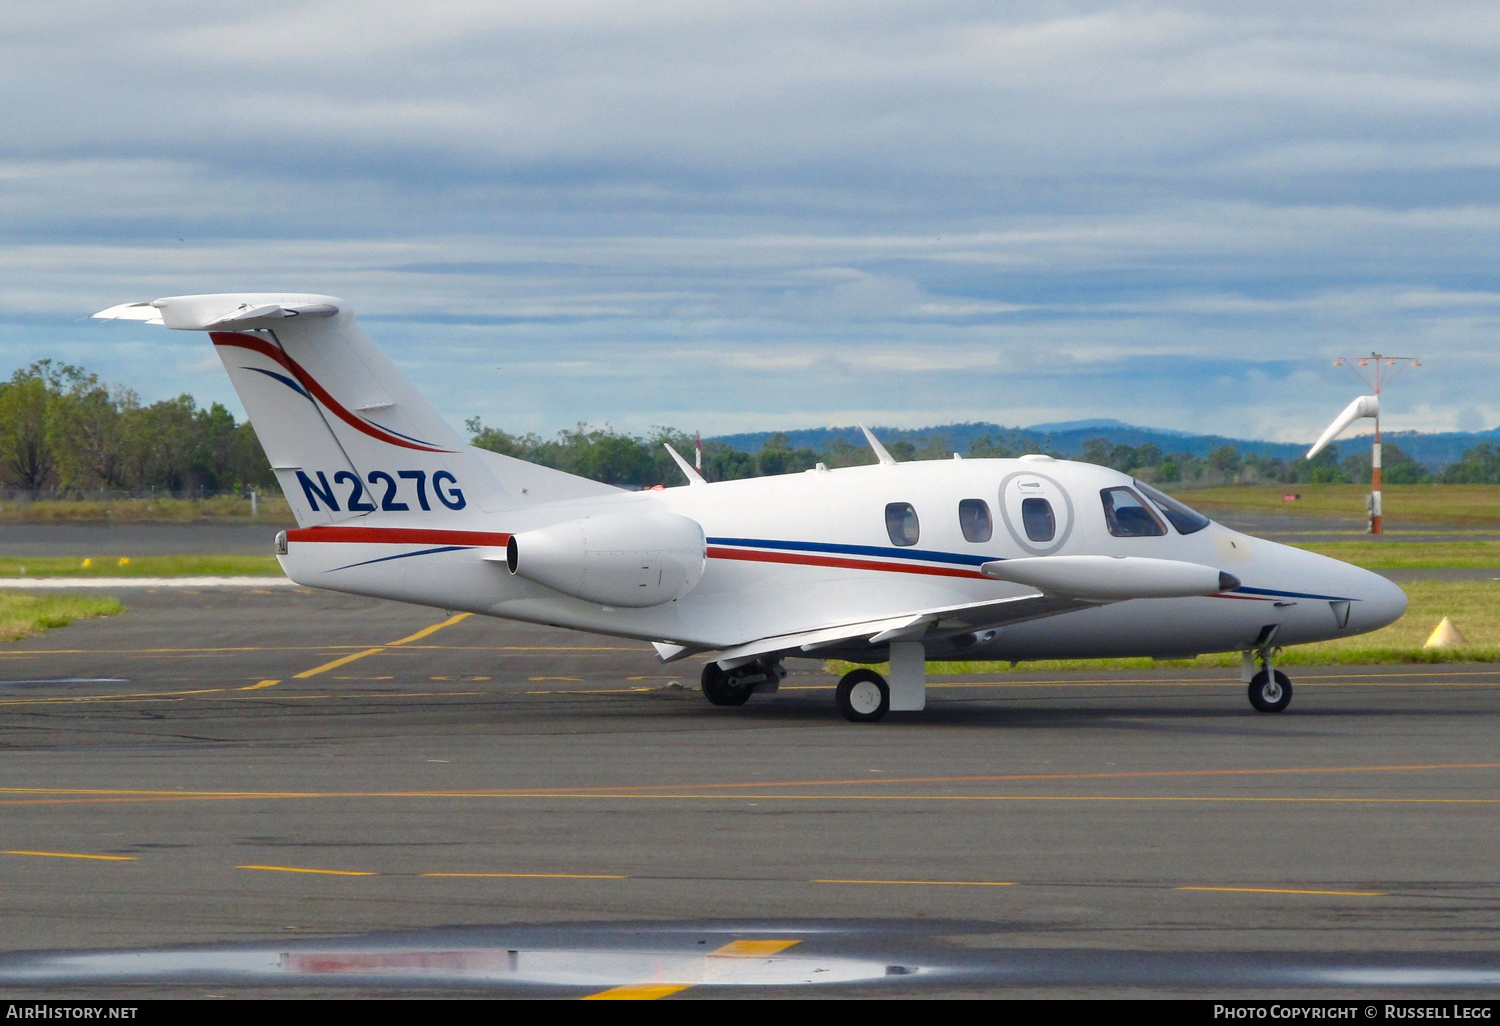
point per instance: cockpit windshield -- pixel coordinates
(1185, 519)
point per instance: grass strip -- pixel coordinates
(1473, 606)
(1392, 555)
(23, 614)
(272, 510)
(140, 566)
(1475, 505)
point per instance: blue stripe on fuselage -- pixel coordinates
(889, 552)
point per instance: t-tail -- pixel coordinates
(347, 435)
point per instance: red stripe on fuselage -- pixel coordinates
(715, 552)
(266, 349)
(396, 536)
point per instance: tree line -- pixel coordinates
(64, 432)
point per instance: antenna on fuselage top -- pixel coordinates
(694, 478)
(880, 452)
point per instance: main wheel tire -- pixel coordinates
(719, 688)
(863, 696)
(1270, 693)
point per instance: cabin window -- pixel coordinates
(974, 517)
(901, 523)
(1037, 518)
(1128, 516)
(1184, 518)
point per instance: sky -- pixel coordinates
(736, 217)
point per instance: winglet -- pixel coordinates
(694, 478)
(880, 452)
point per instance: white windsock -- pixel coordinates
(1364, 406)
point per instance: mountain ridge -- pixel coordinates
(1434, 450)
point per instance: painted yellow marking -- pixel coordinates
(1204, 799)
(428, 631)
(73, 855)
(148, 695)
(262, 684)
(1283, 890)
(551, 678)
(320, 872)
(588, 691)
(324, 648)
(536, 876)
(351, 657)
(927, 883)
(336, 663)
(753, 948)
(651, 991)
(638, 992)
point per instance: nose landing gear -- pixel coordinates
(1270, 689)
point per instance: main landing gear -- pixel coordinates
(1270, 689)
(863, 696)
(734, 687)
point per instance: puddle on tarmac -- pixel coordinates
(737, 958)
(592, 957)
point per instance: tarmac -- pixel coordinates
(273, 792)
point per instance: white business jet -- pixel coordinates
(1009, 559)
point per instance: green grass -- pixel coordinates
(1458, 505)
(1473, 606)
(143, 566)
(273, 510)
(23, 614)
(1390, 554)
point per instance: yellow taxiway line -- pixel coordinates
(73, 855)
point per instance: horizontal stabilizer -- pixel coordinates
(1112, 578)
(244, 311)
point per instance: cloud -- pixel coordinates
(778, 213)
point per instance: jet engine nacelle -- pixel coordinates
(619, 559)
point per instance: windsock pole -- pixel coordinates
(1375, 523)
(698, 451)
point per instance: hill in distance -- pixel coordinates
(1435, 451)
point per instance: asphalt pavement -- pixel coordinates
(273, 792)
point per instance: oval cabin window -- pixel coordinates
(901, 523)
(975, 520)
(1037, 519)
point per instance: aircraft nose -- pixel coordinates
(1380, 603)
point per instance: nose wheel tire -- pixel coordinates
(863, 696)
(1270, 693)
(721, 689)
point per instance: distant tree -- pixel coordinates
(721, 463)
(989, 447)
(1479, 465)
(1224, 462)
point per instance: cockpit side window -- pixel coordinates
(975, 520)
(901, 523)
(1128, 516)
(1185, 519)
